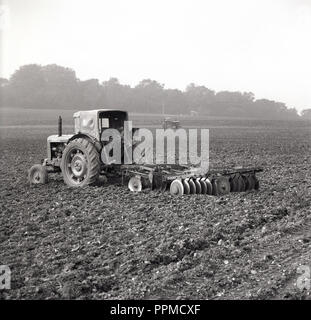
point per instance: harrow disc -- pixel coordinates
(251, 182)
(234, 184)
(193, 189)
(209, 186)
(203, 186)
(135, 184)
(157, 182)
(177, 188)
(241, 184)
(256, 187)
(164, 185)
(186, 187)
(221, 186)
(197, 186)
(247, 182)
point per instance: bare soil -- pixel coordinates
(105, 242)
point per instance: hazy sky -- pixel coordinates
(263, 46)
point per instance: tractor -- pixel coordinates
(77, 157)
(168, 123)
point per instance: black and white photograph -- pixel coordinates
(155, 150)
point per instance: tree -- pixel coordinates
(199, 98)
(306, 114)
(61, 87)
(3, 91)
(115, 95)
(25, 86)
(174, 102)
(54, 86)
(148, 96)
(47, 87)
(3, 82)
(91, 92)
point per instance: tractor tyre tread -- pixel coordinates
(93, 161)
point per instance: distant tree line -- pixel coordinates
(53, 86)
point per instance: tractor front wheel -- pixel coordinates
(38, 174)
(80, 163)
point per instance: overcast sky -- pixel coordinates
(263, 46)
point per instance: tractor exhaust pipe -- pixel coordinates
(60, 127)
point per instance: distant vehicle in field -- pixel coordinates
(194, 113)
(171, 124)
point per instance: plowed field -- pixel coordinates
(107, 243)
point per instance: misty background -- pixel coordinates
(53, 86)
(243, 58)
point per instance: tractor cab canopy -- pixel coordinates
(93, 122)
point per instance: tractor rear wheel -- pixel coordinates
(80, 163)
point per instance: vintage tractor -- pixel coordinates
(173, 124)
(77, 157)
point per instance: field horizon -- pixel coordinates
(12, 117)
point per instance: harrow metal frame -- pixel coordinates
(161, 176)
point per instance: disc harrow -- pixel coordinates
(182, 180)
